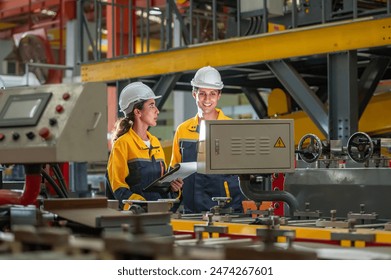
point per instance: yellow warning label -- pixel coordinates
(279, 143)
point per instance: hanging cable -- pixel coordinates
(53, 183)
(60, 178)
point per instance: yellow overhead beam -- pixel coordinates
(6, 25)
(319, 39)
(375, 120)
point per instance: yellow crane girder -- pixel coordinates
(314, 40)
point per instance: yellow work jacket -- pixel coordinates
(132, 166)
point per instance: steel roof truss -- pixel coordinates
(164, 86)
(301, 93)
(369, 80)
(256, 101)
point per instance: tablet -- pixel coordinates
(181, 170)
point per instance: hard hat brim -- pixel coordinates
(129, 109)
(206, 85)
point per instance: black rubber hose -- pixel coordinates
(56, 188)
(60, 177)
(259, 195)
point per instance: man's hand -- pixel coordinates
(176, 185)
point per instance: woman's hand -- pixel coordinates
(176, 185)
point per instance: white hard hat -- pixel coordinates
(207, 77)
(134, 93)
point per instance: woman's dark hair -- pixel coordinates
(123, 125)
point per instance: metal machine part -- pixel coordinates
(362, 216)
(53, 123)
(307, 213)
(124, 246)
(20, 215)
(123, 235)
(277, 241)
(333, 222)
(342, 189)
(221, 203)
(209, 227)
(143, 206)
(310, 148)
(8, 81)
(95, 215)
(269, 235)
(271, 220)
(254, 146)
(360, 147)
(256, 194)
(384, 148)
(360, 177)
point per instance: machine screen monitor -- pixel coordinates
(23, 109)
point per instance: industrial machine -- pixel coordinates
(354, 178)
(255, 146)
(337, 193)
(249, 147)
(53, 123)
(94, 228)
(48, 125)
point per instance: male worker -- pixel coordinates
(199, 189)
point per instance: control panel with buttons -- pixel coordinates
(53, 123)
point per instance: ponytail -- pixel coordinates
(123, 125)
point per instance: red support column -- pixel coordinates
(114, 14)
(278, 180)
(117, 26)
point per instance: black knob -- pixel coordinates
(30, 135)
(15, 136)
(52, 122)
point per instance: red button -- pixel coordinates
(44, 132)
(2, 136)
(66, 96)
(59, 109)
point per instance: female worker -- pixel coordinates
(137, 157)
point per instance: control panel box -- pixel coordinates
(53, 123)
(246, 147)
